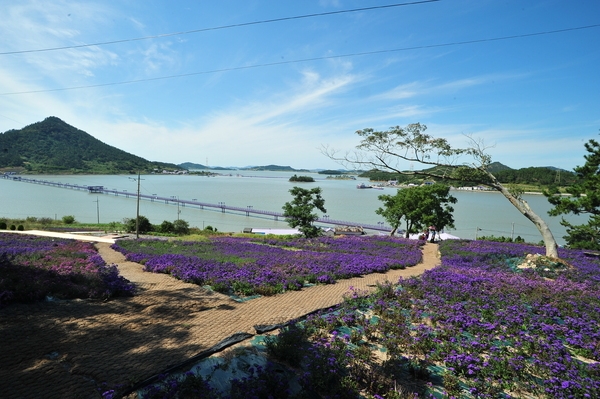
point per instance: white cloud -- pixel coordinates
(271, 129)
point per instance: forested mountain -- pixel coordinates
(53, 146)
(539, 176)
(544, 176)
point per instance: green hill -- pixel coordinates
(193, 166)
(538, 176)
(53, 146)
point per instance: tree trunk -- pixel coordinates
(523, 207)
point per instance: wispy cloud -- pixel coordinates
(275, 128)
(54, 24)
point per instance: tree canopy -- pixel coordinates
(299, 212)
(419, 207)
(387, 149)
(585, 199)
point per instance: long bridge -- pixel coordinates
(174, 200)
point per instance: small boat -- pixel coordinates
(362, 186)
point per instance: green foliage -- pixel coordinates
(298, 213)
(542, 176)
(290, 345)
(306, 179)
(68, 219)
(585, 199)
(13, 227)
(380, 175)
(166, 227)
(20, 227)
(419, 207)
(181, 227)
(518, 239)
(585, 236)
(144, 225)
(3, 226)
(53, 146)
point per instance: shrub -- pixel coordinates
(144, 225)
(20, 227)
(13, 227)
(3, 226)
(166, 227)
(45, 221)
(181, 227)
(68, 219)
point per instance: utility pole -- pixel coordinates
(137, 213)
(97, 208)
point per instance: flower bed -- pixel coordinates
(34, 268)
(249, 266)
(476, 327)
(484, 327)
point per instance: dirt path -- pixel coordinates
(66, 349)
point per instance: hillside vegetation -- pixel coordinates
(53, 146)
(532, 178)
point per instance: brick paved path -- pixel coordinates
(69, 349)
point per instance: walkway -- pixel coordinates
(67, 349)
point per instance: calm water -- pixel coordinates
(491, 213)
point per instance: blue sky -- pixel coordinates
(276, 92)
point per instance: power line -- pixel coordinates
(427, 46)
(265, 21)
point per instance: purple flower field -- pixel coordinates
(475, 327)
(249, 266)
(33, 268)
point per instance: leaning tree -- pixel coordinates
(386, 150)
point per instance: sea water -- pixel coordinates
(476, 213)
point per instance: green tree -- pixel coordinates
(390, 149)
(419, 207)
(299, 212)
(584, 199)
(181, 227)
(68, 219)
(144, 225)
(166, 227)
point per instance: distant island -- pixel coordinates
(274, 168)
(303, 179)
(271, 168)
(196, 166)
